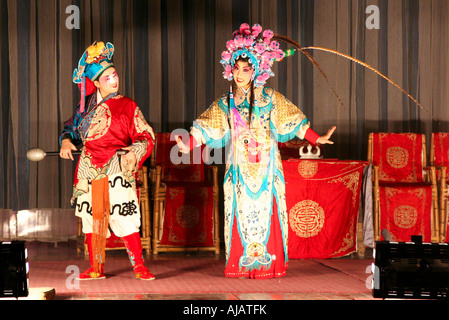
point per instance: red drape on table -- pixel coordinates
(323, 205)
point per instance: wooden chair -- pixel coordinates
(439, 157)
(198, 185)
(116, 243)
(400, 177)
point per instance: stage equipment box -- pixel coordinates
(13, 269)
(413, 270)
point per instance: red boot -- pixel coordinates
(134, 249)
(90, 274)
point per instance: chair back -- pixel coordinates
(192, 171)
(439, 154)
(399, 156)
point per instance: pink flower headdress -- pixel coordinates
(261, 52)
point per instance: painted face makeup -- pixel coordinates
(108, 82)
(242, 74)
(111, 80)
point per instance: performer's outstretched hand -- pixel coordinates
(325, 139)
(66, 149)
(181, 145)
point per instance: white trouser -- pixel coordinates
(124, 216)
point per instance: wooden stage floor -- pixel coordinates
(66, 251)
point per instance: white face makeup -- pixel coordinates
(112, 79)
(242, 74)
(108, 82)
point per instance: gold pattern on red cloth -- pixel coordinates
(323, 206)
(307, 169)
(399, 157)
(187, 216)
(352, 182)
(188, 219)
(100, 123)
(306, 218)
(406, 201)
(408, 211)
(405, 216)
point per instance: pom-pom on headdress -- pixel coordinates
(95, 60)
(260, 51)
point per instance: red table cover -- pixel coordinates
(323, 204)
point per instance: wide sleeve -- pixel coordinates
(286, 119)
(70, 129)
(142, 137)
(212, 126)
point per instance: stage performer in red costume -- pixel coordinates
(107, 125)
(249, 121)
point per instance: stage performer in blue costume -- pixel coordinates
(106, 123)
(249, 121)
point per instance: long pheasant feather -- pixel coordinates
(303, 50)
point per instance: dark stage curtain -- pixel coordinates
(167, 55)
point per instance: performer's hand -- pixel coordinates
(66, 149)
(129, 160)
(181, 145)
(325, 139)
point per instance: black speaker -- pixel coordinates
(411, 270)
(13, 269)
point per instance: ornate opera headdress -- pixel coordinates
(261, 52)
(95, 60)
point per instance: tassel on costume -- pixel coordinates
(100, 214)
